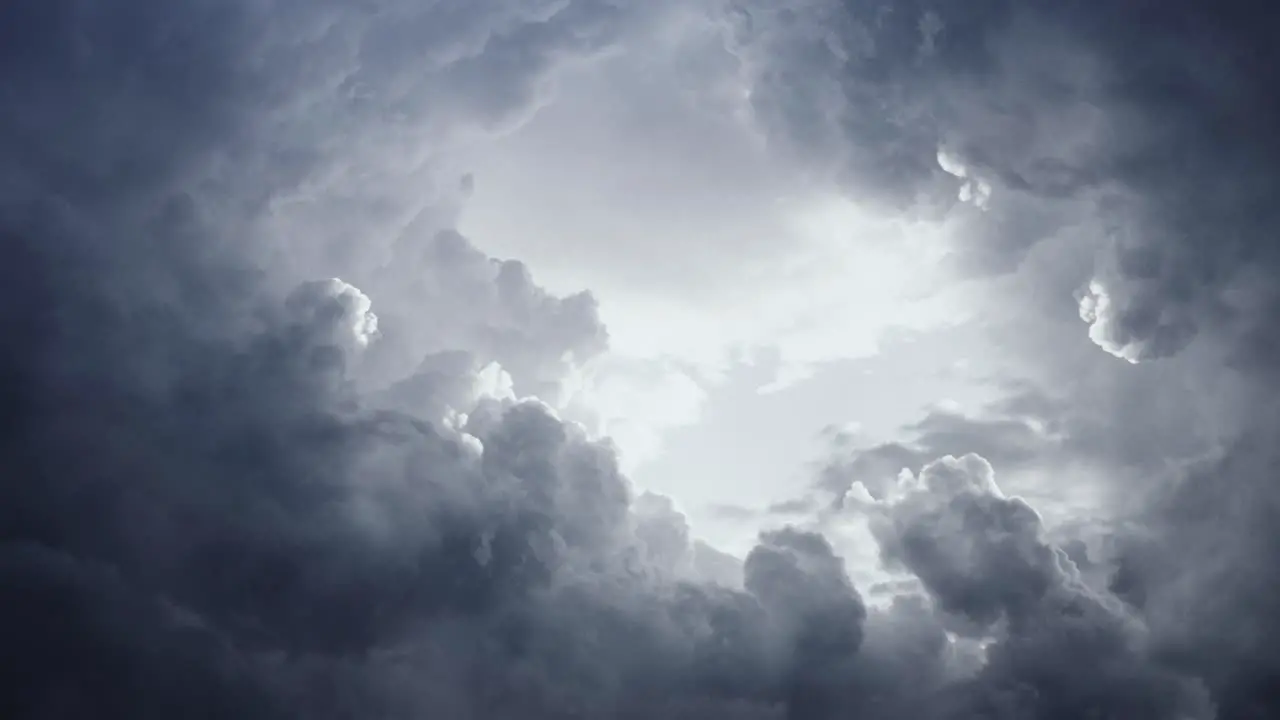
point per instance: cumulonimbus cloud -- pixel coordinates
(214, 508)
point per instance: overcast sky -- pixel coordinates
(703, 359)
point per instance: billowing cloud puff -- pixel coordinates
(975, 190)
(1061, 647)
(448, 295)
(334, 313)
(978, 551)
(1097, 309)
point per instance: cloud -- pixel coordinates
(237, 488)
(1135, 133)
(975, 191)
(228, 503)
(1198, 563)
(1155, 131)
(977, 551)
(804, 590)
(448, 295)
(257, 539)
(334, 314)
(1062, 647)
(1151, 480)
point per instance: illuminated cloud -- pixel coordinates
(239, 486)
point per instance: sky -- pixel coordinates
(609, 359)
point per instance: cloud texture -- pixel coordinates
(1143, 134)
(1149, 122)
(279, 442)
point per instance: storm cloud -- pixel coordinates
(211, 512)
(1142, 134)
(1150, 124)
(279, 441)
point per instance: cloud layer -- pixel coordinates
(280, 442)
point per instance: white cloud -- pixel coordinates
(646, 181)
(974, 190)
(1098, 310)
(335, 312)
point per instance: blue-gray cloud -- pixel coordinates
(1150, 125)
(221, 500)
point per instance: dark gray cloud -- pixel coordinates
(1187, 542)
(231, 494)
(1149, 124)
(246, 532)
(207, 518)
(1202, 564)
(1062, 649)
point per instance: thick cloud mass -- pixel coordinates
(277, 441)
(1063, 649)
(1147, 132)
(493, 309)
(214, 508)
(1152, 120)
